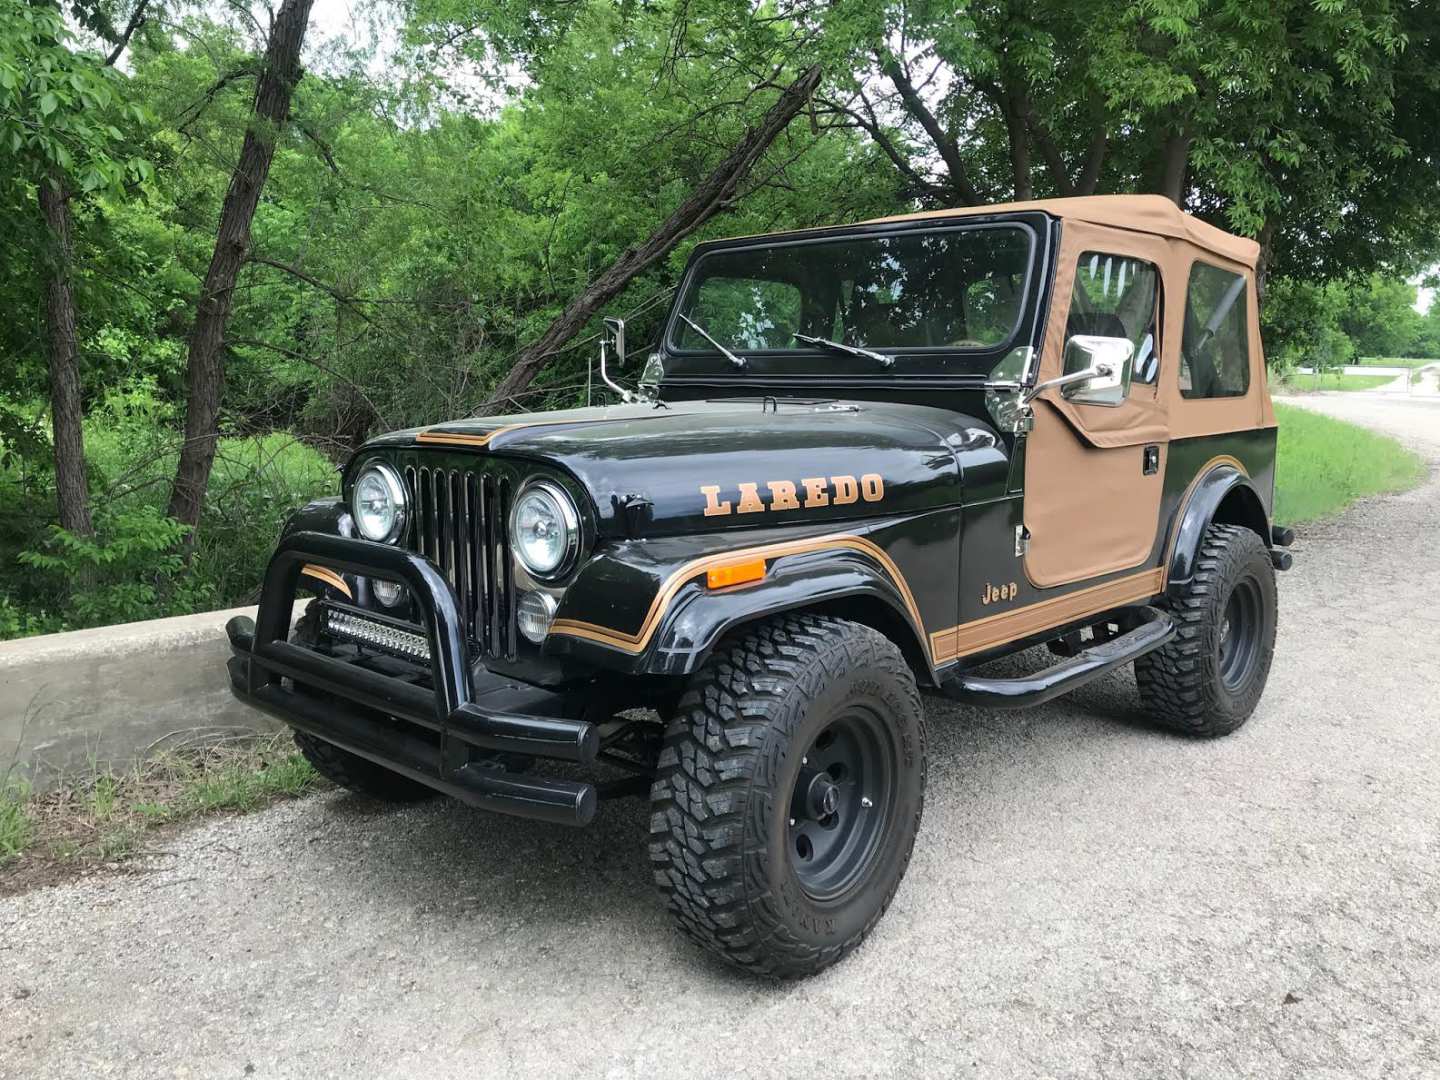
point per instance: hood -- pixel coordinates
(704, 466)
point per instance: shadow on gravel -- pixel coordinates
(441, 862)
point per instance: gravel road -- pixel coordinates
(1087, 898)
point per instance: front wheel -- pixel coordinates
(1209, 678)
(789, 793)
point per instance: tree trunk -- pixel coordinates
(1175, 162)
(1266, 240)
(72, 493)
(1094, 163)
(945, 145)
(709, 197)
(1018, 132)
(206, 366)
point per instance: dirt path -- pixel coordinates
(1424, 382)
(1088, 898)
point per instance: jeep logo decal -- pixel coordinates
(814, 491)
(994, 594)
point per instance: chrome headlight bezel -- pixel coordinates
(396, 491)
(569, 516)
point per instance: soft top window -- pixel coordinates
(1215, 347)
(955, 288)
(1117, 296)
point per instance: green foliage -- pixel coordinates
(1323, 465)
(59, 108)
(132, 568)
(126, 567)
(1326, 326)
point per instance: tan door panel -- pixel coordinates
(1090, 510)
(1089, 506)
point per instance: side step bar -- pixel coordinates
(1155, 630)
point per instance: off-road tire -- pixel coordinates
(342, 767)
(1182, 685)
(360, 774)
(720, 829)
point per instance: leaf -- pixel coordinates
(48, 103)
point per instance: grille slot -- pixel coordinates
(459, 525)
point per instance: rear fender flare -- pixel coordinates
(1224, 495)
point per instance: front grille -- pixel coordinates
(459, 524)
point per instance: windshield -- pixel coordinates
(942, 289)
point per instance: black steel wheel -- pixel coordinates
(841, 803)
(1208, 680)
(1240, 633)
(788, 794)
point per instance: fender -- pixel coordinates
(845, 583)
(330, 516)
(1222, 494)
(842, 574)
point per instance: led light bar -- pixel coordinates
(342, 624)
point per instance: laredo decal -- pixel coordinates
(813, 491)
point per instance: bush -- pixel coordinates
(132, 568)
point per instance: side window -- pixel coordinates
(1118, 296)
(1215, 349)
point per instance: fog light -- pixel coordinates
(389, 593)
(534, 613)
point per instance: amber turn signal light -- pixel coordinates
(723, 577)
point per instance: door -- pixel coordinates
(1094, 473)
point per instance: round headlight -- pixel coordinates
(544, 529)
(378, 503)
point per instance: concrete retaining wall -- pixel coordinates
(100, 698)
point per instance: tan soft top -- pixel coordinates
(1142, 213)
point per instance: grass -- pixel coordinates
(104, 820)
(1337, 380)
(1324, 464)
(1394, 361)
(16, 825)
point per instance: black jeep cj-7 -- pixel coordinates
(863, 462)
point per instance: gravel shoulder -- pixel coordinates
(1088, 897)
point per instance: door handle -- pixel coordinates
(1150, 460)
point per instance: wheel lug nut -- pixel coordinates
(792, 822)
(865, 802)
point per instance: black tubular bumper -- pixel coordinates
(455, 724)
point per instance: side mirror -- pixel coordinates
(614, 333)
(616, 327)
(1097, 369)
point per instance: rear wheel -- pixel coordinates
(788, 794)
(1209, 678)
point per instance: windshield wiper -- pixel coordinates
(738, 361)
(840, 347)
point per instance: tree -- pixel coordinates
(58, 113)
(1286, 120)
(706, 200)
(279, 74)
(1379, 316)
